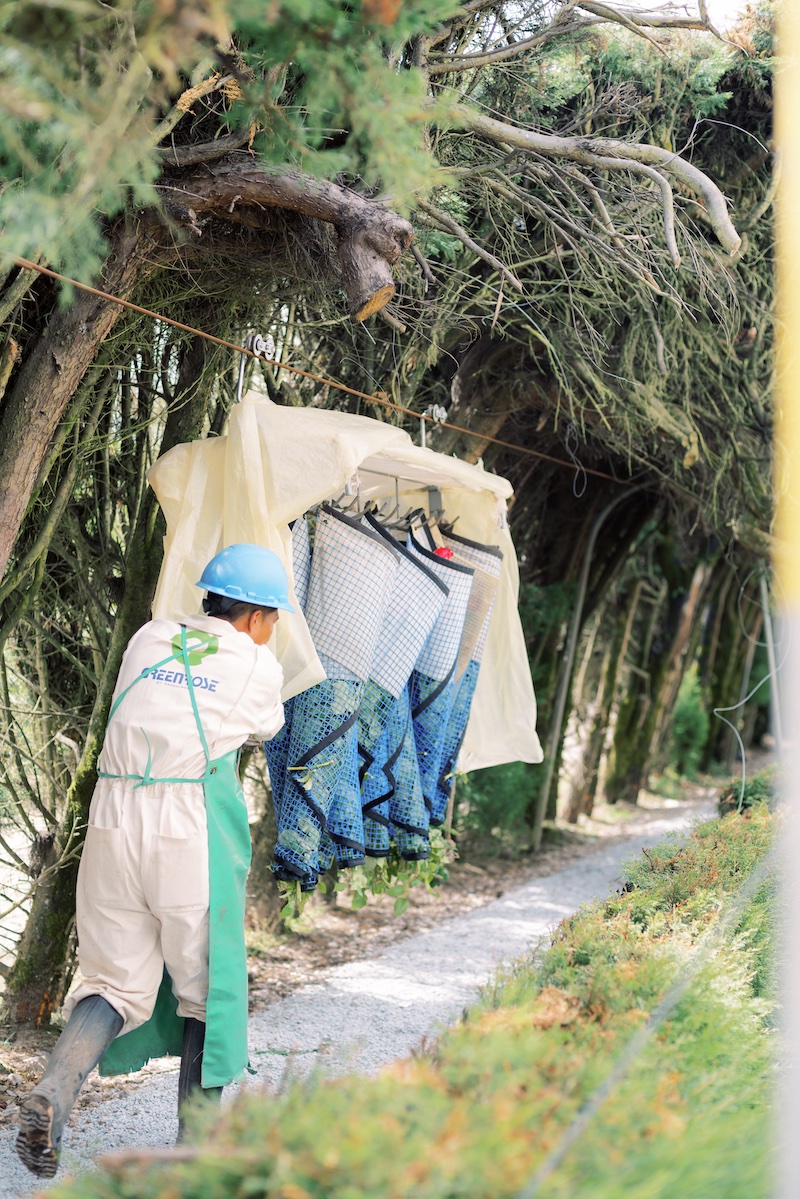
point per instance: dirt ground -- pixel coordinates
(332, 933)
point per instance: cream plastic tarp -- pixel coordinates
(274, 464)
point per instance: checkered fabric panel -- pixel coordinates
(414, 606)
(487, 561)
(352, 573)
(345, 822)
(326, 854)
(439, 653)
(277, 755)
(301, 560)
(481, 602)
(454, 738)
(322, 744)
(375, 792)
(431, 701)
(408, 811)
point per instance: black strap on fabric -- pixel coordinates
(346, 842)
(310, 754)
(434, 695)
(378, 817)
(406, 553)
(367, 761)
(411, 828)
(288, 872)
(448, 533)
(313, 807)
(329, 740)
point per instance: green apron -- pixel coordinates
(225, 1056)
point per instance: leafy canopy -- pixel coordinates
(85, 88)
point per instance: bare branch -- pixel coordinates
(446, 222)
(667, 198)
(185, 156)
(237, 189)
(607, 154)
(465, 62)
(183, 104)
(599, 206)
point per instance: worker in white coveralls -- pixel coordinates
(161, 885)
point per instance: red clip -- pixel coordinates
(444, 552)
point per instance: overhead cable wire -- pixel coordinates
(28, 265)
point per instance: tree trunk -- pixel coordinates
(42, 971)
(642, 707)
(582, 800)
(49, 379)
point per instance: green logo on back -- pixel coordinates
(198, 645)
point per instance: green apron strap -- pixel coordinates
(193, 698)
(178, 653)
(147, 670)
(143, 780)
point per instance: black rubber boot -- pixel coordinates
(189, 1080)
(90, 1030)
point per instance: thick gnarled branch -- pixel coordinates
(236, 188)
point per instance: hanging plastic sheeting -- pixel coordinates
(417, 598)
(487, 561)
(277, 750)
(431, 688)
(272, 466)
(352, 573)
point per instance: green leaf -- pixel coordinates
(359, 901)
(400, 905)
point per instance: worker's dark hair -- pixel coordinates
(230, 609)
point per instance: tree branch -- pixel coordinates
(371, 237)
(608, 154)
(667, 198)
(466, 62)
(190, 155)
(446, 222)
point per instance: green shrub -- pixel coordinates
(760, 788)
(690, 724)
(477, 1115)
(493, 805)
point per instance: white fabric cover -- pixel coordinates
(142, 899)
(352, 575)
(412, 611)
(438, 655)
(274, 464)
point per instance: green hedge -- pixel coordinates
(476, 1116)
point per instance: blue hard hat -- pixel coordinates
(249, 573)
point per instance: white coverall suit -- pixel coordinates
(142, 900)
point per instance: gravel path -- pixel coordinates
(361, 1015)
